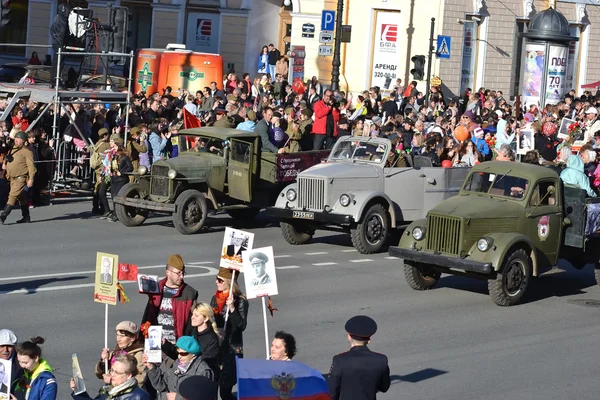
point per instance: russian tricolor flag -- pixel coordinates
(275, 380)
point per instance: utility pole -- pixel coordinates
(335, 71)
(430, 56)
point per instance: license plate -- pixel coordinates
(303, 215)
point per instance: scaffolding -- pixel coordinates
(67, 154)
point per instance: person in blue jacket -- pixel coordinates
(39, 382)
(480, 144)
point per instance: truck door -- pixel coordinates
(240, 174)
(545, 221)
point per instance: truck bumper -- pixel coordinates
(145, 204)
(442, 261)
(319, 217)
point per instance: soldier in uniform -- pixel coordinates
(134, 147)
(101, 146)
(259, 261)
(20, 171)
(359, 373)
(305, 128)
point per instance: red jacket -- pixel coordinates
(182, 305)
(321, 110)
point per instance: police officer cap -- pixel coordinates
(257, 255)
(198, 387)
(21, 135)
(361, 327)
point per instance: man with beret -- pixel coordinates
(20, 171)
(171, 306)
(8, 343)
(101, 146)
(259, 261)
(359, 373)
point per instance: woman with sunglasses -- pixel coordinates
(166, 378)
(232, 345)
(123, 382)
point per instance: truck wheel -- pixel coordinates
(422, 278)
(244, 214)
(371, 233)
(295, 234)
(511, 282)
(131, 216)
(190, 212)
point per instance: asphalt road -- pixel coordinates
(448, 343)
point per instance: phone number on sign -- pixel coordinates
(384, 75)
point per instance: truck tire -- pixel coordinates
(511, 282)
(190, 212)
(417, 278)
(296, 235)
(243, 214)
(131, 216)
(371, 233)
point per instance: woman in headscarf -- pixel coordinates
(232, 345)
(502, 136)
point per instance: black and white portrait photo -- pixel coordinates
(106, 274)
(259, 272)
(5, 371)
(235, 242)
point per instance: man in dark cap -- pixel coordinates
(20, 171)
(198, 388)
(259, 262)
(359, 373)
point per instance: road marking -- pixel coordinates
(14, 278)
(361, 260)
(211, 271)
(349, 251)
(318, 253)
(392, 258)
(282, 256)
(288, 267)
(202, 262)
(324, 263)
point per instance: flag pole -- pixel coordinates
(264, 307)
(230, 296)
(106, 335)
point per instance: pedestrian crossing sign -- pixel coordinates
(443, 46)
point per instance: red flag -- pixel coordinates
(127, 272)
(189, 120)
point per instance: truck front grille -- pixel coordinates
(159, 184)
(311, 193)
(443, 234)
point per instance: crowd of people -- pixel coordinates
(199, 345)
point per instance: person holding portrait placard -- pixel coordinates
(232, 344)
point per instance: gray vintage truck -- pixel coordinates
(362, 192)
(218, 169)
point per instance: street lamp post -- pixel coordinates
(335, 71)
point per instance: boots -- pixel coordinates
(97, 205)
(25, 212)
(5, 213)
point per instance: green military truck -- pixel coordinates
(510, 222)
(218, 169)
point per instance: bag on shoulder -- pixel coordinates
(95, 160)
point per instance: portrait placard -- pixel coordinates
(105, 287)
(525, 141)
(234, 243)
(5, 373)
(563, 130)
(259, 271)
(77, 375)
(152, 345)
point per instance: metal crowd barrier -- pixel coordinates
(72, 168)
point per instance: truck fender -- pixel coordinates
(407, 241)
(502, 243)
(282, 201)
(361, 199)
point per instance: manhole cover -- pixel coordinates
(586, 302)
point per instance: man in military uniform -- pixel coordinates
(101, 146)
(135, 146)
(20, 171)
(359, 373)
(259, 261)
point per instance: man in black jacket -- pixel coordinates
(359, 373)
(273, 57)
(60, 32)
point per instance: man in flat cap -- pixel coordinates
(359, 373)
(259, 261)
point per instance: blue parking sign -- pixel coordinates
(328, 20)
(443, 46)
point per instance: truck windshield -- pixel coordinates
(497, 185)
(360, 150)
(200, 144)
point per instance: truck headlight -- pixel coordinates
(172, 174)
(418, 233)
(345, 200)
(484, 244)
(142, 170)
(290, 195)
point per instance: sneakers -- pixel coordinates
(113, 218)
(107, 215)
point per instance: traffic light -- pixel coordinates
(5, 13)
(418, 71)
(120, 20)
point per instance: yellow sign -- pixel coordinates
(436, 81)
(105, 288)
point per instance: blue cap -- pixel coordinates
(189, 344)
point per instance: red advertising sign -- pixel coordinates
(290, 165)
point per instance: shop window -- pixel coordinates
(15, 30)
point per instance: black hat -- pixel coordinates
(361, 327)
(221, 111)
(198, 387)
(277, 114)
(343, 121)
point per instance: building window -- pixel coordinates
(15, 31)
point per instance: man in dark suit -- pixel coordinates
(215, 91)
(236, 247)
(262, 128)
(359, 373)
